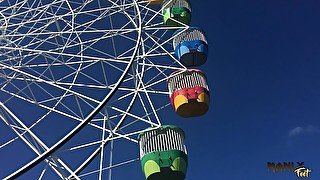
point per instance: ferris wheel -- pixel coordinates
(84, 86)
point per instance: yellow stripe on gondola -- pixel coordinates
(179, 100)
(192, 108)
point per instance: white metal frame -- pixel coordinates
(140, 58)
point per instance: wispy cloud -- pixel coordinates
(303, 130)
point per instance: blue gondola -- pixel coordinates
(191, 46)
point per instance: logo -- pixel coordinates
(302, 172)
(298, 168)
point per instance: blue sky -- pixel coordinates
(263, 70)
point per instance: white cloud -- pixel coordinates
(303, 130)
(295, 131)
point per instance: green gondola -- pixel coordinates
(176, 12)
(163, 153)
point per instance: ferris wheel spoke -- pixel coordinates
(99, 39)
(113, 131)
(154, 50)
(50, 83)
(68, 32)
(20, 25)
(109, 138)
(153, 81)
(146, 45)
(42, 104)
(151, 64)
(109, 167)
(115, 137)
(146, 14)
(134, 116)
(154, 27)
(161, 46)
(68, 63)
(43, 172)
(75, 71)
(156, 14)
(140, 83)
(8, 142)
(160, 72)
(149, 114)
(76, 118)
(20, 5)
(49, 99)
(64, 54)
(148, 99)
(150, 55)
(159, 38)
(118, 136)
(58, 51)
(144, 107)
(76, 11)
(11, 6)
(131, 91)
(94, 154)
(110, 155)
(38, 121)
(80, 71)
(50, 109)
(116, 32)
(36, 140)
(86, 145)
(31, 8)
